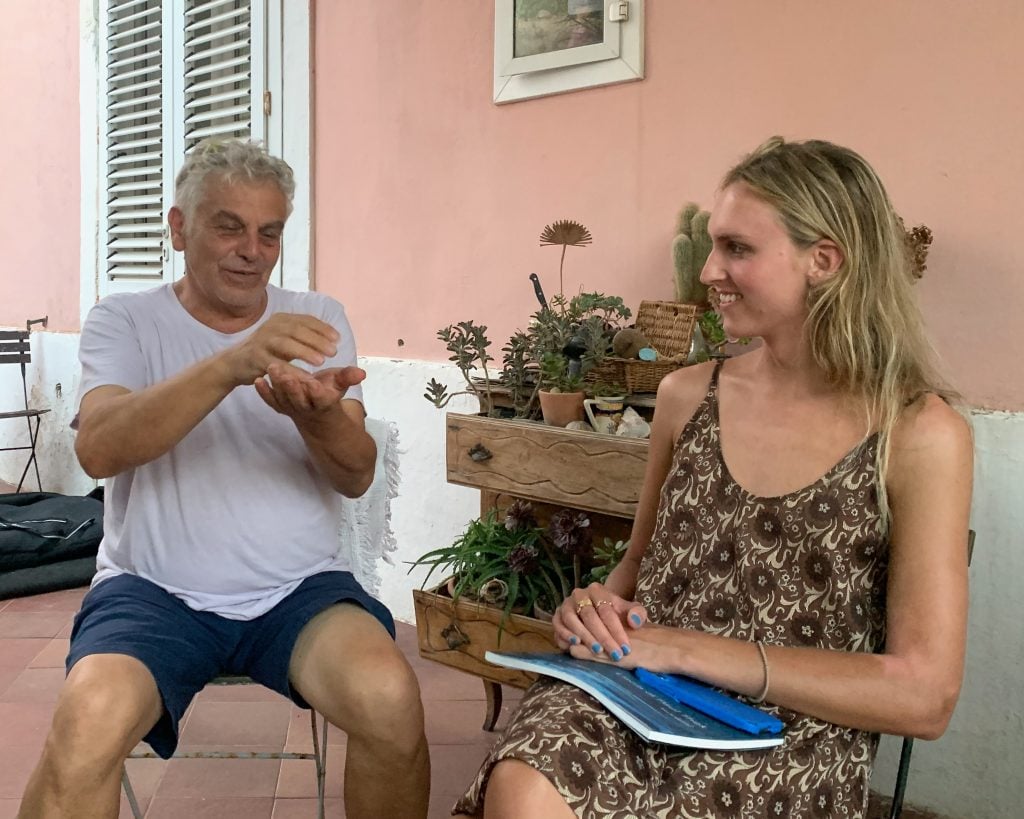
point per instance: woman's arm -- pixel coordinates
(912, 687)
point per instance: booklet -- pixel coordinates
(653, 715)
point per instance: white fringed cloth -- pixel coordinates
(365, 529)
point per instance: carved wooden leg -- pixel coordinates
(493, 692)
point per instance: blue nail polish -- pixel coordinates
(574, 640)
(626, 650)
(596, 648)
(616, 656)
(635, 618)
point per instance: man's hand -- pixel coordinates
(282, 338)
(599, 621)
(301, 395)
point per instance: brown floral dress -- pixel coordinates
(805, 569)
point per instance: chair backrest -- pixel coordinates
(908, 742)
(15, 348)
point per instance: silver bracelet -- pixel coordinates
(764, 664)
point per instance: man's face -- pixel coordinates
(231, 243)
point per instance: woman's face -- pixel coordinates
(758, 277)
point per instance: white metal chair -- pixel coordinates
(15, 348)
(318, 756)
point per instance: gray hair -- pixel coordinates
(233, 160)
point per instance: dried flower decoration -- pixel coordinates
(524, 559)
(919, 239)
(566, 233)
(570, 532)
(519, 516)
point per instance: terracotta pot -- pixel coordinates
(559, 408)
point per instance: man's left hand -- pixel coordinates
(299, 395)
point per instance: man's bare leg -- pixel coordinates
(108, 703)
(349, 669)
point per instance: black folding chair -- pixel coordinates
(16, 349)
(903, 772)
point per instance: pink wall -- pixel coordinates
(39, 163)
(430, 198)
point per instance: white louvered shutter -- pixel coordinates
(135, 138)
(177, 71)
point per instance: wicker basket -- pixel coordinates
(668, 326)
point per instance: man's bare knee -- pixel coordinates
(108, 703)
(388, 709)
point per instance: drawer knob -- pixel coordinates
(478, 452)
(454, 636)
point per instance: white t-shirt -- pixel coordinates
(236, 515)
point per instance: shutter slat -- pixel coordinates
(131, 244)
(228, 129)
(215, 19)
(237, 34)
(241, 61)
(220, 113)
(155, 273)
(134, 229)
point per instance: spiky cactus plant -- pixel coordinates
(690, 250)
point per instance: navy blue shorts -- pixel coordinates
(184, 649)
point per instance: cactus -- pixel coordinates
(690, 250)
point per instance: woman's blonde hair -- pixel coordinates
(865, 328)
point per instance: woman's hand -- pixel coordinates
(656, 648)
(595, 620)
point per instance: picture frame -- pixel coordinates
(544, 47)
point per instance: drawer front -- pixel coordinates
(584, 470)
(460, 634)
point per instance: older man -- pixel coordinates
(227, 415)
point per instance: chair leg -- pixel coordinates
(901, 778)
(320, 759)
(129, 793)
(32, 460)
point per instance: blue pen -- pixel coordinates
(714, 703)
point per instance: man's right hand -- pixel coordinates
(284, 337)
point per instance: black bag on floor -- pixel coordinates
(48, 541)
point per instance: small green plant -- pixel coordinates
(606, 557)
(511, 561)
(714, 335)
(468, 344)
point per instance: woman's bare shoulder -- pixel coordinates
(930, 435)
(681, 392)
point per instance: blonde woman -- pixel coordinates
(801, 533)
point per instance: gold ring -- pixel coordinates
(600, 603)
(583, 604)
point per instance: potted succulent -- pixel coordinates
(562, 344)
(510, 561)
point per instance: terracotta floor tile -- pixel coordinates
(16, 765)
(33, 623)
(9, 808)
(452, 768)
(68, 600)
(237, 723)
(298, 776)
(441, 682)
(218, 778)
(306, 808)
(7, 676)
(300, 733)
(146, 775)
(210, 808)
(18, 652)
(52, 655)
(35, 685)
(24, 725)
(65, 632)
(456, 723)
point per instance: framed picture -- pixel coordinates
(546, 47)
